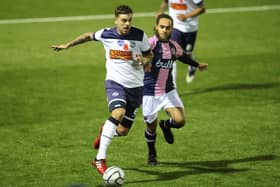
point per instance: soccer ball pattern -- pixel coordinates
(114, 176)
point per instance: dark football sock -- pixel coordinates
(151, 140)
(171, 124)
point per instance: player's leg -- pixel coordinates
(166, 129)
(190, 39)
(177, 117)
(109, 130)
(175, 110)
(117, 114)
(122, 129)
(117, 105)
(150, 136)
(106, 137)
(176, 120)
(116, 97)
(96, 141)
(134, 100)
(151, 106)
(127, 121)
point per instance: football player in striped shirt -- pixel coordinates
(159, 90)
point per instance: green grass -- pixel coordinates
(52, 104)
(52, 8)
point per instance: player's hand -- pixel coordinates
(148, 67)
(139, 59)
(202, 66)
(59, 47)
(181, 17)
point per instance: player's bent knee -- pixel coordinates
(124, 126)
(118, 113)
(117, 109)
(122, 131)
(180, 123)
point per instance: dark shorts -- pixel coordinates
(119, 96)
(185, 39)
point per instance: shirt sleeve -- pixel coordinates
(97, 35)
(198, 2)
(153, 42)
(145, 47)
(179, 50)
(182, 56)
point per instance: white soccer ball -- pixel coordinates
(114, 176)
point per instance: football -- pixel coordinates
(114, 176)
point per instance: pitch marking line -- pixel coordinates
(147, 14)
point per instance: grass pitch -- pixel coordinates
(52, 104)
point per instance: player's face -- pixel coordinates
(123, 23)
(164, 29)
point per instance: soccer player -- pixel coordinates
(159, 90)
(185, 15)
(128, 53)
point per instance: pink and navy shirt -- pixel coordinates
(159, 81)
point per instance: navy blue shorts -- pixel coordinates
(119, 96)
(185, 39)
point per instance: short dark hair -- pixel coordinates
(159, 17)
(123, 9)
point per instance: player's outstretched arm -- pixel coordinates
(186, 59)
(162, 7)
(79, 40)
(202, 66)
(196, 12)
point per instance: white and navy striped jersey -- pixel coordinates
(176, 7)
(120, 52)
(159, 81)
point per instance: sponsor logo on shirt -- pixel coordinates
(120, 43)
(166, 65)
(125, 47)
(121, 55)
(178, 6)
